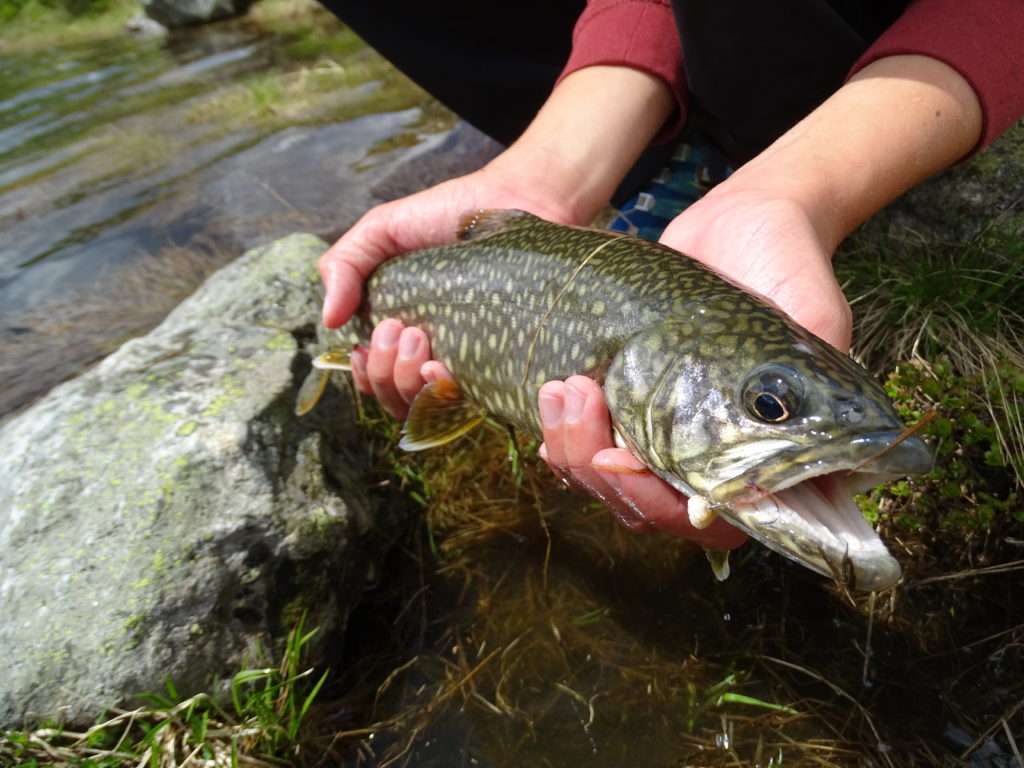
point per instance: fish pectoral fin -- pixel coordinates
(439, 415)
(333, 360)
(311, 391)
(481, 223)
(719, 560)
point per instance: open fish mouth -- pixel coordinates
(801, 505)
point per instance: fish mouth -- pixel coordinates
(801, 505)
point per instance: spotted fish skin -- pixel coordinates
(677, 349)
(525, 301)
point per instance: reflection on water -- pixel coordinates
(130, 169)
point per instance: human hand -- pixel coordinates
(578, 444)
(768, 244)
(429, 218)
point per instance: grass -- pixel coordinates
(960, 304)
(34, 25)
(262, 725)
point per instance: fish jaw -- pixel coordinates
(801, 505)
(817, 523)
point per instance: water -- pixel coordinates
(130, 169)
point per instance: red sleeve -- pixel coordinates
(633, 33)
(983, 40)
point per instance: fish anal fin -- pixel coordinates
(439, 415)
(481, 223)
(311, 391)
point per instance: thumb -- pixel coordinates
(351, 260)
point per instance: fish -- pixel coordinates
(717, 390)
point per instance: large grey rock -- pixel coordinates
(181, 13)
(165, 514)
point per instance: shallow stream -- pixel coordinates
(132, 168)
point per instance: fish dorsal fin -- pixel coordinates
(481, 223)
(311, 391)
(438, 415)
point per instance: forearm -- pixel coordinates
(900, 120)
(590, 132)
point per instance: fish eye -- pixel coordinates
(773, 394)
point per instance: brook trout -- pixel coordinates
(717, 391)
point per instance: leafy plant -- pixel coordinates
(972, 488)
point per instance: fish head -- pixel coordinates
(773, 427)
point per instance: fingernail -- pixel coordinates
(543, 452)
(550, 409)
(409, 345)
(386, 334)
(574, 400)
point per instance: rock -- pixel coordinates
(143, 26)
(183, 13)
(165, 514)
(462, 150)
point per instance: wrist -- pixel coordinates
(898, 121)
(589, 133)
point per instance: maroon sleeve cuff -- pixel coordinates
(983, 40)
(634, 33)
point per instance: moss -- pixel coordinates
(972, 492)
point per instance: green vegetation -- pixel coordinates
(29, 25)
(263, 724)
(973, 490)
(960, 306)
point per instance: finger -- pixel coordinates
(435, 370)
(586, 429)
(658, 502)
(413, 352)
(551, 402)
(380, 366)
(554, 400)
(358, 361)
(349, 262)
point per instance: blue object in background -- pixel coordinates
(695, 167)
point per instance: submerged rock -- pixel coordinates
(165, 514)
(182, 13)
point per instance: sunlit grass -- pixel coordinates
(262, 724)
(925, 299)
(37, 25)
